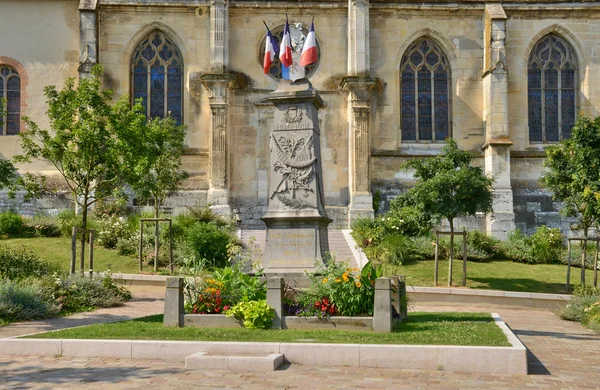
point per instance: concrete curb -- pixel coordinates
(501, 360)
(485, 298)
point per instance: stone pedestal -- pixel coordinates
(296, 219)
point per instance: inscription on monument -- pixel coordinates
(293, 248)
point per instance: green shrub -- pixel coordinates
(543, 247)
(111, 229)
(516, 247)
(337, 289)
(483, 243)
(407, 220)
(227, 287)
(24, 300)
(66, 219)
(22, 263)
(393, 249)
(586, 291)
(77, 293)
(253, 314)
(546, 245)
(207, 241)
(576, 249)
(13, 225)
(366, 231)
(575, 309)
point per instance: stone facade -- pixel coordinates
(362, 42)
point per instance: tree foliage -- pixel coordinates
(153, 159)
(448, 186)
(574, 172)
(82, 142)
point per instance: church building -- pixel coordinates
(504, 78)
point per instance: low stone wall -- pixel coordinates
(388, 297)
(330, 323)
(210, 321)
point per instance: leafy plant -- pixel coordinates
(349, 291)
(24, 300)
(13, 225)
(22, 263)
(573, 173)
(207, 241)
(253, 314)
(75, 293)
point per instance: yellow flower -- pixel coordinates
(325, 280)
(358, 284)
(337, 280)
(345, 276)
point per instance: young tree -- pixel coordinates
(574, 176)
(573, 173)
(82, 142)
(153, 162)
(448, 186)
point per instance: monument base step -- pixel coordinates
(214, 361)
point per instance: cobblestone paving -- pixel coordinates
(563, 355)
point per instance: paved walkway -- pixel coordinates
(562, 355)
(146, 301)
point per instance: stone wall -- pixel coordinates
(360, 39)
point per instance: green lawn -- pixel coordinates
(58, 251)
(419, 328)
(496, 275)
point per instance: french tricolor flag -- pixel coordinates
(309, 50)
(285, 50)
(271, 50)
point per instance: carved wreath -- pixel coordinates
(295, 163)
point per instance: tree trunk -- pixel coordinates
(584, 253)
(451, 251)
(84, 226)
(156, 235)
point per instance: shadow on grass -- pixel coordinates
(520, 284)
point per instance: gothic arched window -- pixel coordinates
(552, 90)
(156, 70)
(10, 91)
(425, 93)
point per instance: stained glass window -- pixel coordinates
(156, 74)
(10, 91)
(425, 93)
(552, 90)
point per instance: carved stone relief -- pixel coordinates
(295, 164)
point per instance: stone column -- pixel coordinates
(218, 84)
(357, 88)
(88, 36)
(358, 92)
(495, 108)
(219, 36)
